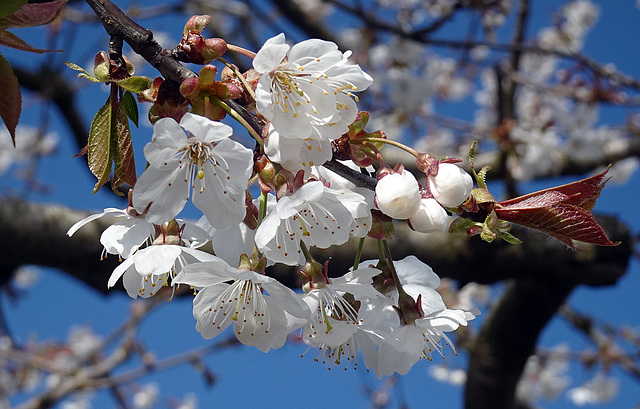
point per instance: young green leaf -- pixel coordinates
(83, 73)
(99, 145)
(130, 107)
(135, 84)
(110, 142)
(124, 167)
(10, 98)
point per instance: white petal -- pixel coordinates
(126, 236)
(315, 55)
(205, 129)
(270, 54)
(163, 188)
(109, 212)
(205, 274)
(210, 320)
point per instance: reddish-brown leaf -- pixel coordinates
(10, 6)
(582, 193)
(11, 40)
(563, 212)
(10, 98)
(31, 15)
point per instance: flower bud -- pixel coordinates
(196, 24)
(398, 195)
(451, 186)
(101, 66)
(190, 88)
(430, 217)
(214, 48)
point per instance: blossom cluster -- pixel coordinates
(387, 312)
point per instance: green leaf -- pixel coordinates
(99, 145)
(83, 73)
(135, 84)
(124, 167)
(10, 98)
(110, 142)
(10, 6)
(509, 238)
(130, 107)
(359, 124)
(31, 15)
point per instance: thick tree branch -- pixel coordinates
(117, 24)
(507, 340)
(35, 234)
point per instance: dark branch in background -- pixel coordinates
(508, 338)
(52, 86)
(424, 36)
(464, 259)
(303, 21)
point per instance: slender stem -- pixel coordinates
(388, 142)
(240, 50)
(381, 257)
(207, 107)
(238, 118)
(240, 76)
(305, 251)
(356, 262)
(262, 210)
(392, 268)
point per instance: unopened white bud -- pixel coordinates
(398, 195)
(430, 217)
(451, 186)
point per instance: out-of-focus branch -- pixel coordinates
(303, 21)
(608, 350)
(52, 86)
(35, 234)
(508, 338)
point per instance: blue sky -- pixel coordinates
(247, 377)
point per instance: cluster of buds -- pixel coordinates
(197, 49)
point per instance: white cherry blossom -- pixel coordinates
(313, 214)
(295, 154)
(216, 167)
(306, 90)
(154, 267)
(123, 237)
(228, 296)
(334, 320)
(408, 343)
